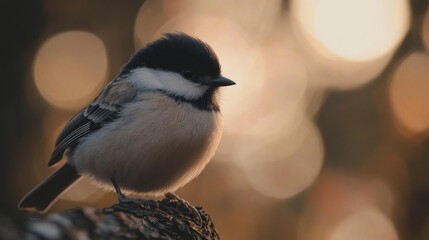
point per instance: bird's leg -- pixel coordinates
(123, 199)
(121, 196)
(196, 212)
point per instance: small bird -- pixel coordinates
(151, 130)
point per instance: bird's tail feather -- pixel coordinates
(43, 195)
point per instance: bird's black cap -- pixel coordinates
(178, 52)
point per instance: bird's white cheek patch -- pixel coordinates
(145, 78)
(166, 81)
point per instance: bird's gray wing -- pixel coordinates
(104, 109)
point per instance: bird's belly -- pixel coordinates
(155, 151)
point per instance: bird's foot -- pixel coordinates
(173, 196)
(131, 203)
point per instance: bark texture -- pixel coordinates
(169, 218)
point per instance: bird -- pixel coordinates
(150, 131)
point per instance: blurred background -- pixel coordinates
(326, 132)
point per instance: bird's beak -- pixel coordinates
(219, 82)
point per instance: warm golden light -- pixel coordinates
(409, 92)
(70, 68)
(278, 110)
(356, 30)
(149, 19)
(328, 70)
(286, 70)
(256, 17)
(84, 190)
(368, 224)
(343, 207)
(276, 170)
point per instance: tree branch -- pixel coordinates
(169, 218)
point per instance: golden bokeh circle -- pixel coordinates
(278, 170)
(368, 224)
(408, 90)
(69, 69)
(356, 30)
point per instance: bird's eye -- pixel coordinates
(188, 74)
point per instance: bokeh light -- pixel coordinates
(368, 224)
(408, 90)
(278, 173)
(338, 205)
(69, 69)
(345, 54)
(254, 17)
(342, 74)
(285, 68)
(355, 30)
(149, 19)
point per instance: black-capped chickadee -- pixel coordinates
(151, 130)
